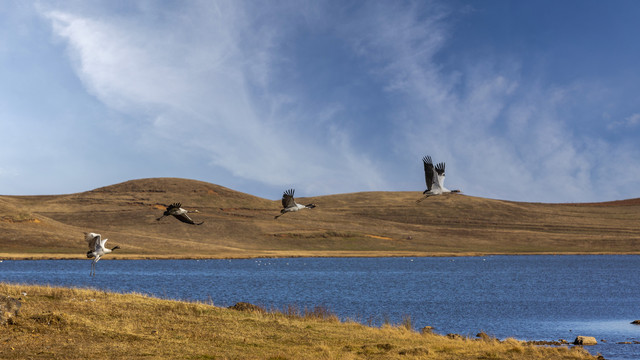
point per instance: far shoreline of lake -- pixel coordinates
(53, 256)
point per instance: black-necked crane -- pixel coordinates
(97, 249)
(434, 177)
(179, 213)
(289, 204)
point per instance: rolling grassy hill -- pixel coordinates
(357, 224)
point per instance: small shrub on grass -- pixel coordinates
(483, 336)
(321, 313)
(418, 351)
(51, 319)
(244, 306)
(386, 321)
(291, 311)
(406, 322)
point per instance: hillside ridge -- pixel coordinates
(236, 224)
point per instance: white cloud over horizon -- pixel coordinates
(326, 97)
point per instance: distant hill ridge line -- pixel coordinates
(371, 223)
(162, 185)
(142, 185)
(166, 185)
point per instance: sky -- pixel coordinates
(523, 100)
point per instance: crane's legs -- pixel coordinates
(93, 268)
(420, 200)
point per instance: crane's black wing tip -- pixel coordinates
(176, 205)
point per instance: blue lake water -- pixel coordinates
(525, 297)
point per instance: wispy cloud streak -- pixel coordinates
(501, 135)
(204, 81)
(337, 96)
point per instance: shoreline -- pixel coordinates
(51, 256)
(64, 320)
(244, 306)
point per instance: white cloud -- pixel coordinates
(226, 81)
(628, 122)
(633, 120)
(501, 136)
(204, 82)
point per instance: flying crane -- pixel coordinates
(97, 249)
(434, 177)
(179, 213)
(289, 204)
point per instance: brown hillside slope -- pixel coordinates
(357, 224)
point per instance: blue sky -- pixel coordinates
(529, 101)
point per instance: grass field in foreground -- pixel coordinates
(69, 323)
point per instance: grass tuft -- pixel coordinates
(51, 319)
(406, 322)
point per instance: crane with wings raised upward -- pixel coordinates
(289, 204)
(434, 177)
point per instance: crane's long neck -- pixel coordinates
(110, 250)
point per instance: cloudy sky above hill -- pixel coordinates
(531, 101)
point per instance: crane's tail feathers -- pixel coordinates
(456, 191)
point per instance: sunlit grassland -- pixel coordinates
(239, 225)
(70, 323)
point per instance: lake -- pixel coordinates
(525, 297)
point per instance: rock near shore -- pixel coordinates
(9, 308)
(585, 340)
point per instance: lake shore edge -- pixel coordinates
(285, 255)
(77, 322)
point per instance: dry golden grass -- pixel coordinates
(64, 323)
(358, 224)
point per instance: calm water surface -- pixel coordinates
(526, 297)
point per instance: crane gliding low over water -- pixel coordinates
(289, 204)
(179, 213)
(434, 177)
(97, 249)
